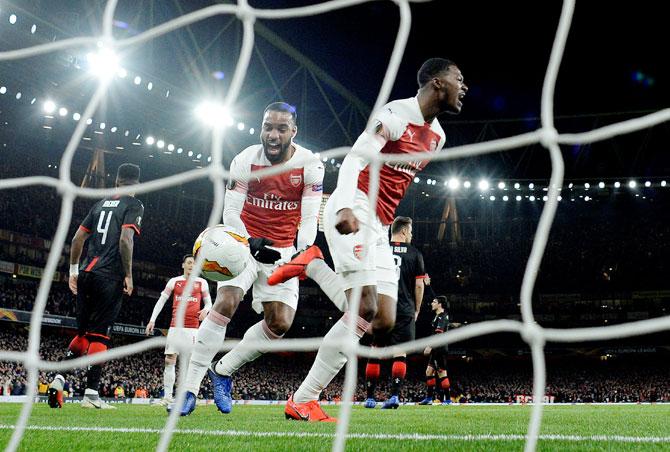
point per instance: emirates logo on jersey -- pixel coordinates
(358, 252)
(295, 179)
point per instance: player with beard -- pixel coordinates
(358, 239)
(274, 211)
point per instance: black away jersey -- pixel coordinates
(410, 262)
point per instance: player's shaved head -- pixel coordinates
(128, 174)
(431, 68)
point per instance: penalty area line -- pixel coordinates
(379, 436)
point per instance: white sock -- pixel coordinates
(209, 339)
(169, 376)
(329, 281)
(328, 361)
(238, 357)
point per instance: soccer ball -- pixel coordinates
(225, 252)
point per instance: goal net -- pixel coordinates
(547, 135)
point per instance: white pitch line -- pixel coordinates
(380, 436)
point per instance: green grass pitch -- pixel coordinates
(410, 428)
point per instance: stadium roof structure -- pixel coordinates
(331, 66)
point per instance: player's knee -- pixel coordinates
(368, 307)
(227, 300)
(279, 325)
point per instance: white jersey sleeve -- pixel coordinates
(311, 202)
(236, 193)
(165, 294)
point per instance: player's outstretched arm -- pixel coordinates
(158, 307)
(126, 242)
(76, 248)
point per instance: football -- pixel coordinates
(225, 252)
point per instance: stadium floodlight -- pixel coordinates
(483, 185)
(33, 29)
(160, 144)
(531, 186)
(587, 199)
(170, 147)
(137, 80)
(251, 131)
(501, 185)
(49, 106)
(429, 181)
(531, 198)
(663, 183)
(89, 121)
(180, 150)
(617, 184)
(122, 73)
(209, 159)
(492, 198)
(190, 153)
(416, 180)
(632, 184)
(104, 63)
(213, 114)
(198, 156)
(453, 183)
(647, 184)
(240, 126)
(12, 19)
(560, 198)
(150, 140)
(76, 116)
(113, 129)
(518, 197)
(18, 95)
(601, 185)
(505, 198)
(517, 186)
(3, 89)
(587, 185)
(102, 126)
(62, 111)
(545, 198)
(570, 185)
(150, 86)
(467, 184)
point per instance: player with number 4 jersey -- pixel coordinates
(104, 275)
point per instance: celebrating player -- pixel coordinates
(272, 210)
(410, 295)
(106, 274)
(194, 314)
(437, 357)
(400, 127)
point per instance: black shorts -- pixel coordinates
(99, 301)
(438, 358)
(403, 331)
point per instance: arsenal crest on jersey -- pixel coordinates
(296, 180)
(358, 252)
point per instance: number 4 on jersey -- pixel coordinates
(103, 230)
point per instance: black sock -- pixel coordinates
(93, 377)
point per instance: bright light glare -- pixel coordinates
(49, 106)
(240, 126)
(12, 19)
(213, 114)
(632, 184)
(150, 140)
(501, 185)
(76, 116)
(617, 184)
(62, 111)
(251, 131)
(170, 147)
(160, 144)
(454, 183)
(467, 184)
(104, 63)
(483, 185)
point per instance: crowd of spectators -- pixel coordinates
(276, 376)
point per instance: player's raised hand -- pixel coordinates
(202, 314)
(72, 282)
(347, 223)
(427, 350)
(128, 285)
(149, 329)
(261, 252)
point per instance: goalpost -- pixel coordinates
(546, 135)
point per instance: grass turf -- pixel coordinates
(263, 428)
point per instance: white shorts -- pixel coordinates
(184, 337)
(358, 262)
(256, 275)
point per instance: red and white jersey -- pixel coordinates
(406, 132)
(200, 291)
(272, 205)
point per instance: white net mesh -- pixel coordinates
(547, 135)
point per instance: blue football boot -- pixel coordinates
(188, 407)
(222, 386)
(391, 403)
(370, 403)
